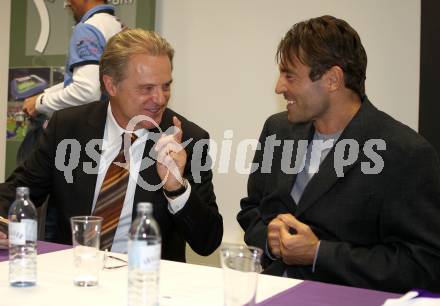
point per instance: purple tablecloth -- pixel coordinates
(307, 293)
(42, 247)
(310, 293)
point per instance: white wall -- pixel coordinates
(5, 17)
(225, 72)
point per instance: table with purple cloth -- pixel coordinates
(42, 247)
(306, 293)
(309, 293)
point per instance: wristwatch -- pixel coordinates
(40, 99)
(179, 191)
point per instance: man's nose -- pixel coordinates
(160, 96)
(280, 87)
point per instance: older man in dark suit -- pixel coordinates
(344, 193)
(78, 160)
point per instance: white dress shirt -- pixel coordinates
(110, 148)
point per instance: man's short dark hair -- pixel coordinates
(322, 43)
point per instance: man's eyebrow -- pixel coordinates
(286, 70)
(154, 84)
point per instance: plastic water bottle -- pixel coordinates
(22, 240)
(144, 248)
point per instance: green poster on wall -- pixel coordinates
(39, 39)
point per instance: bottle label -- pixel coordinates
(20, 232)
(144, 257)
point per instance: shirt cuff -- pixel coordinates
(176, 204)
(316, 256)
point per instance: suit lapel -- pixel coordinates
(93, 130)
(322, 181)
(326, 177)
(304, 132)
(148, 180)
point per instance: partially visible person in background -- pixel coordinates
(96, 23)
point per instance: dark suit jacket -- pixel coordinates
(378, 231)
(198, 223)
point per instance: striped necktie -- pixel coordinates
(112, 194)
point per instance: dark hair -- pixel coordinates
(322, 43)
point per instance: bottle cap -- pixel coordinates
(22, 191)
(145, 207)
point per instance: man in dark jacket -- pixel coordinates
(344, 193)
(79, 154)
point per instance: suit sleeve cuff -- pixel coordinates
(176, 204)
(316, 256)
(268, 253)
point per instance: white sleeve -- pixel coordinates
(85, 88)
(175, 205)
(54, 88)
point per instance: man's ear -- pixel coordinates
(334, 78)
(110, 86)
